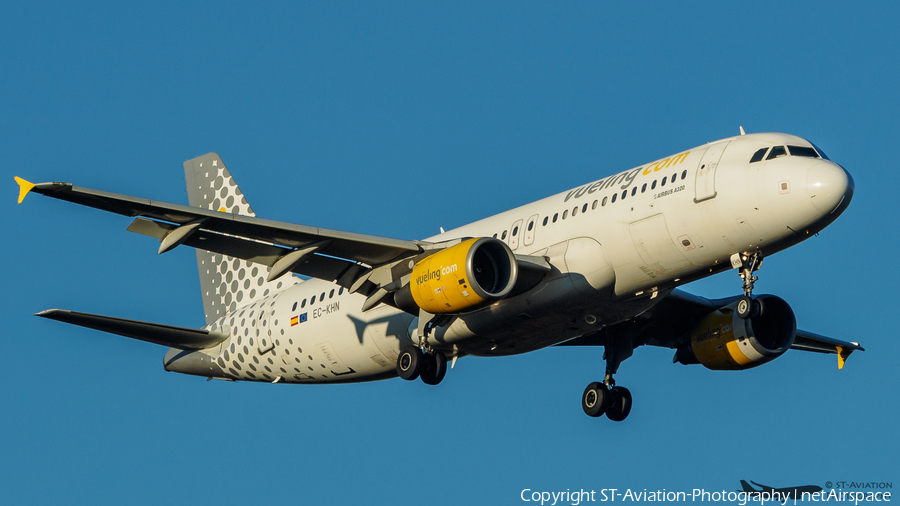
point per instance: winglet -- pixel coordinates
(842, 355)
(24, 188)
(742, 131)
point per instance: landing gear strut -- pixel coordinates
(607, 398)
(747, 306)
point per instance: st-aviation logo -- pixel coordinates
(435, 274)
(784, 492)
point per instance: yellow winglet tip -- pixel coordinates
(842, 356)
(24, 188)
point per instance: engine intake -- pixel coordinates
(723, 341)
(461, 278)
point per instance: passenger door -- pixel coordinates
(705, 183)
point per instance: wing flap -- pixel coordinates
(313, 265)
(167, 335)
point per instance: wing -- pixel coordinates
(668, 324)
(286, 247)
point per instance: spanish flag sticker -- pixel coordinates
(295, 320)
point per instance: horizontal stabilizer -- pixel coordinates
(166, 335)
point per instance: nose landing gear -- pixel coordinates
(747, 306)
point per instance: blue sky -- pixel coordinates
(395, 120)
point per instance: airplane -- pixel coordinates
(597, 265)
(785, 493)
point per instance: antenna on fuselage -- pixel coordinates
(742, 130)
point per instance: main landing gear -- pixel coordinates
(747, 306)
(600, 398)
(607, 398)
(413, 363)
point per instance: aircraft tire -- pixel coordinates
(620, 406)
(595, 399)
(757, 308)
(410, 363)
(437, 368)
(744, 307)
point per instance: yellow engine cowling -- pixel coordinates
(724, 341)
(464, 277)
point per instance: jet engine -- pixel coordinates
(724, 341)
(461, 278)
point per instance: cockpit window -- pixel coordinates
(821, 153)
(803, 151)
(758, 155)
(777, 152)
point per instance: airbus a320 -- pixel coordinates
(597, 265)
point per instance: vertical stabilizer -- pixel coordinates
(225, 282)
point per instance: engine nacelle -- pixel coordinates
(724, 341)
(461, 278)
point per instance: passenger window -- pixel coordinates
(574, 211)
(803, 151)
(644, 188)
(653, 186)
(624, 194)
(758, 155)
(663, 183)
(777, 152)
(584, 208)
(312, 300)
(614, 197)
(303, 304)
(684, 174)
(503, 235)
(673, 177)
(515, 231)
(555, 215)
(565, 213)
(322, 297)
(594, 205)
(331, 294)
(495, 235)
(604, 201)
(530, 225)
(295, 307)
(340, 291)
(545, 223)
(633, 191)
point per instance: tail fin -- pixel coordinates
(226, 282)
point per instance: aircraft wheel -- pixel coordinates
(437, 368)
(410, 363)
(744, 307)
(620, 405)
(757, 308)
(595, 399)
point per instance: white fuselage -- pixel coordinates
(672, 221)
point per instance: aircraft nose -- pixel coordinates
(829, 186)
